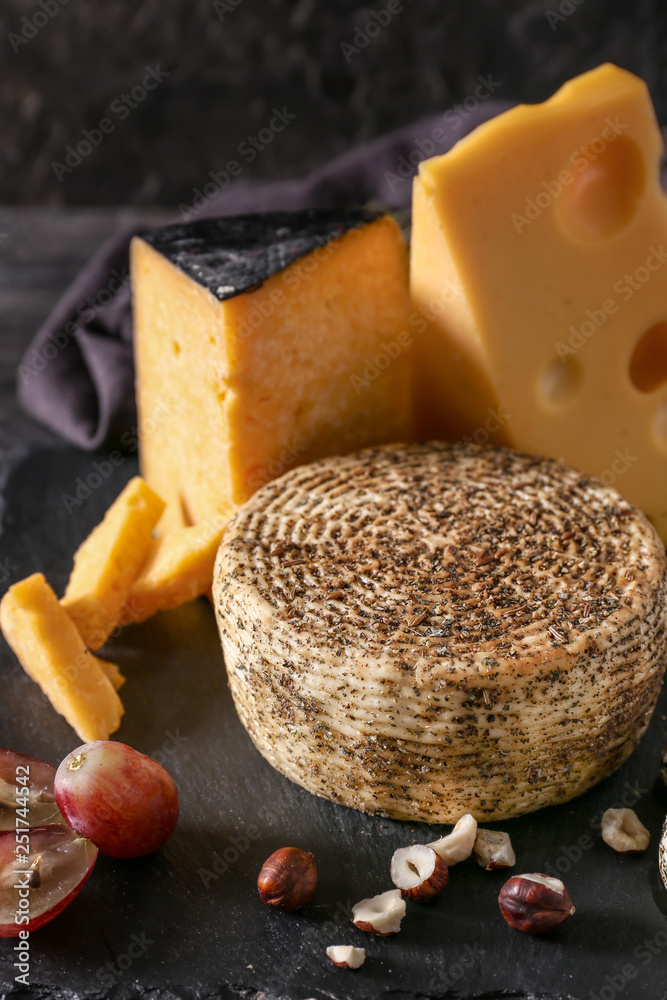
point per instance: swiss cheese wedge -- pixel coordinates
(49, 648)
(108, 562)
(539, 250)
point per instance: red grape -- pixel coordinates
(123, 801)
(26, 790)
(40, 877)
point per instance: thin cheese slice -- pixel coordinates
(538, 266)
(51, 651)
(179, 568)
(109, 561)
(112, 671)
(262, 342)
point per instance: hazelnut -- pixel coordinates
(380, 914)
(493, 849)
(624, 832)
(345, 956)
(457, 845)
(663, 765)
(534, 903)
(288, 879)
(418, 872)
(662, 854)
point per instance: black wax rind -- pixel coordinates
(234, 254)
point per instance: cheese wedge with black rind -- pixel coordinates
(423, 631)
(262, 342)
(238, 253)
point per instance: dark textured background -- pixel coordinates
(226, 74)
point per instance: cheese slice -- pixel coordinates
(538, 271)
(263, 342)
(108, 562)
(51, 651)
(112, 671)
(179, 568)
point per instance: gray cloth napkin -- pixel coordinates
(77, 376)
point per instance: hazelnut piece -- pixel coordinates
(380, 914)
(345, 956)
(457, 845)
(418, 872)
(624, 832)
(493, 849)
(662, 854)
(534, 903)
(288, 879)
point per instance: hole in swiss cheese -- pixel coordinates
(604, 190)
(648, 364)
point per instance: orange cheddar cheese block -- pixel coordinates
(51, 651)
(539, 250)
(263, 342)
(179, 568)
(108, 562)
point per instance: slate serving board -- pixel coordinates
(187, 922)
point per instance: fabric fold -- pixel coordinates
(77, 376)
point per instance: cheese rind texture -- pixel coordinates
(49, 648)
(237, 254)
(424, 631)
(234, 392)
(108, 562)
(539, 245)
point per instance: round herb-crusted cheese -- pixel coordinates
(422, 631)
